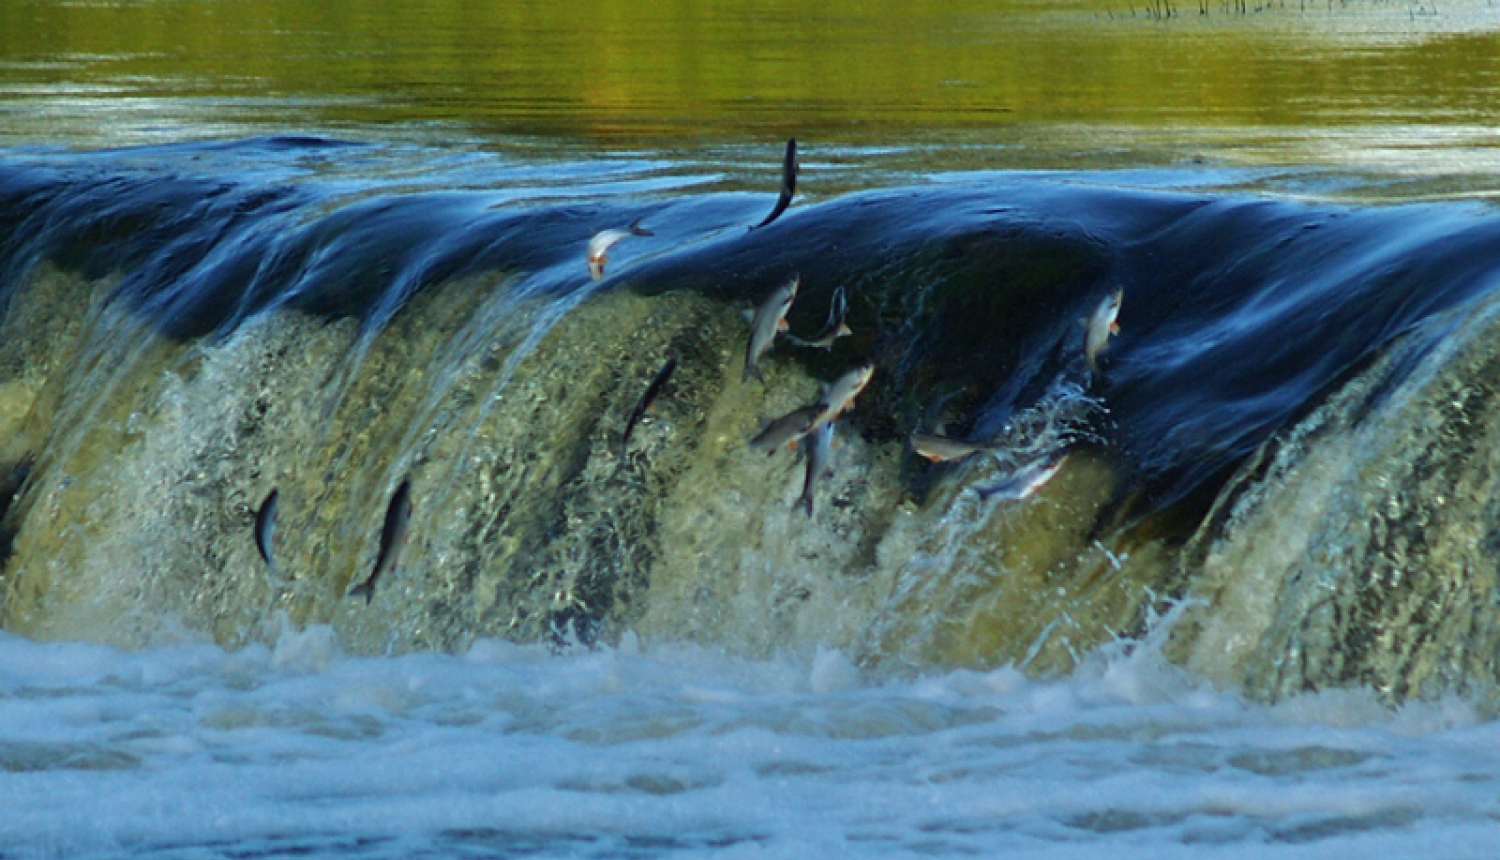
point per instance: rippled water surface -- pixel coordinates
(670, 751)
(1364, 82)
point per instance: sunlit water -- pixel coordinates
(663, 750)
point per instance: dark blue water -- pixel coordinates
(1241, 310)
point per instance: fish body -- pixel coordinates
(392, 537)
(768, 319)
(1099, 326)
(836, 328)
(839, 396)
(942, 449)
(1025, 481)
(788, 183)
(787, 429)
(604, 240)
(818, 453)
(265, 527)
(646, 399)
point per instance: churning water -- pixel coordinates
(671, 750)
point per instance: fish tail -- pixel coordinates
(806, 503)
(366, 588)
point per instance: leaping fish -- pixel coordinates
(839, 397)
(646, 399)
(392, 538)
(942, 449)
(836, 328)
(604, 240)
(767, 320)
(265, 528)
(788, 183)
(818, 453)
(1099, 326)
(787, 429)
(1024, 481)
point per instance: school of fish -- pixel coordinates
(814, 422)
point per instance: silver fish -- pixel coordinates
(767, 320)
(839, 397)
(942, 449)
(1099, 327)
(265, 528)
(604, 240)
(788, 183)
(392, 538)
(646, 399)
(1024, 481)
(787, 429)
(836, 328)
(818, 454)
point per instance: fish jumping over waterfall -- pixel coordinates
(265, 527)
(836, 328)
(819, 453)
(787, 429)
(604, 240)
(788, 183)
(839, 397)
(1098, 328)
(392, 537)
(767, 320)
(647, 398)
(1026, 480)
(942, 449)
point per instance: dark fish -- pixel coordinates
(787, 429)
(392, 538)
(788, 183)
(819, 452)
(265, 527)
(604, 240)
(767, 320)
(646, 399)
(836, 328)
(1024, 481)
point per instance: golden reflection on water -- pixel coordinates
(624, 71)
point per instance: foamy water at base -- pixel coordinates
(660, 749)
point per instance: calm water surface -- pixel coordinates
(1400, 84)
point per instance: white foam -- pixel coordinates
(666, 748)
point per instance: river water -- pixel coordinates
(284, 245)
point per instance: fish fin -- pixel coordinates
(844, 330)
(366, 588)
(783, 325)
(806, 502)
(637, 230)
(752, 370)
(1114, 328)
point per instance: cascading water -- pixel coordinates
(177, 347)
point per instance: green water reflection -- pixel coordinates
(620, 72)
